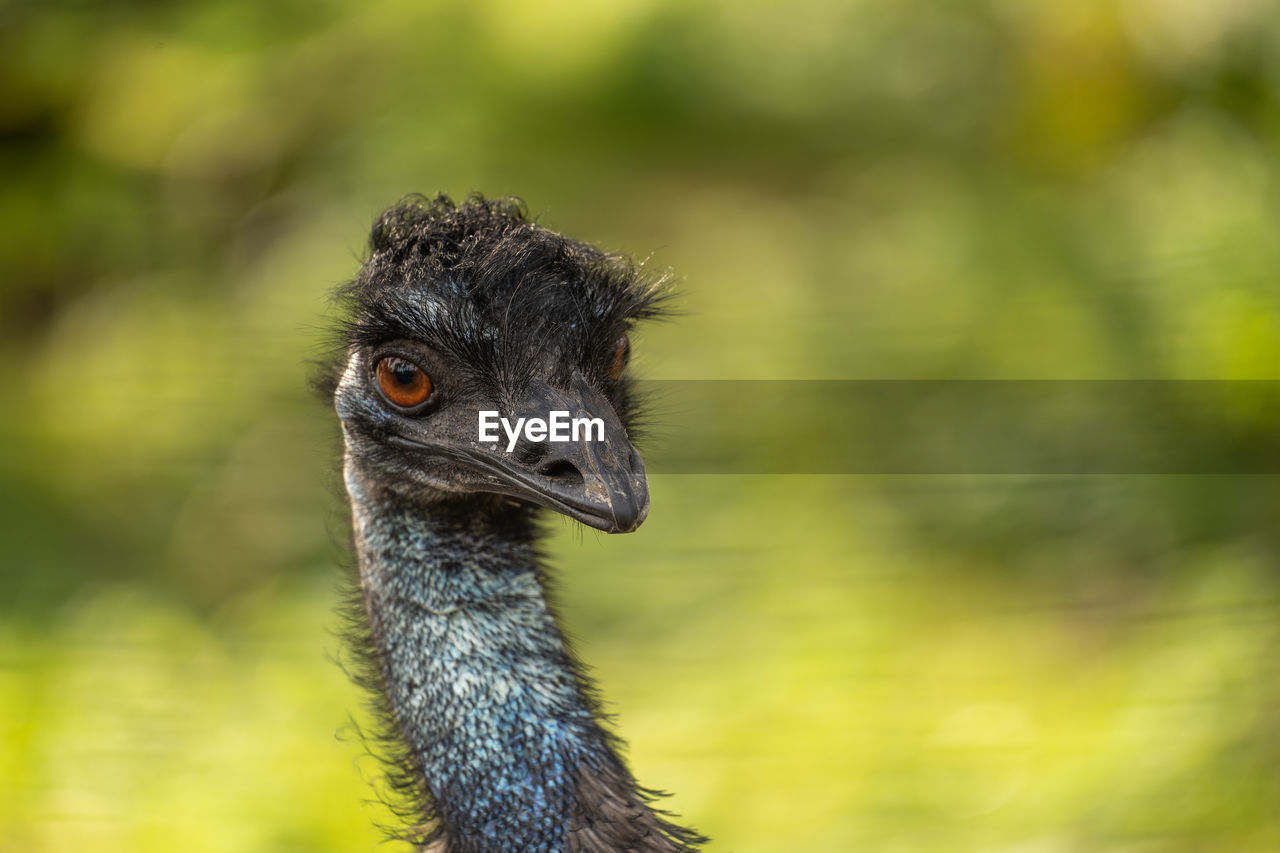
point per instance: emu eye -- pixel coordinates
(402, 382)
(621, 354)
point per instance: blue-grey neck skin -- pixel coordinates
(481, 684)
(475, 670)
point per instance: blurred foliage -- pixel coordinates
(887, 189)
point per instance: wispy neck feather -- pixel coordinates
(495, 714)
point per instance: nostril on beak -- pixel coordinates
(530, 453)
(560, 469)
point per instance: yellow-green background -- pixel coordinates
(861, 189)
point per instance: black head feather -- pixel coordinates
(504, 297)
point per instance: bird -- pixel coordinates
(497, 740)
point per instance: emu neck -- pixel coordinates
(481, 684)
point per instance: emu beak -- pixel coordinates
(598, 480)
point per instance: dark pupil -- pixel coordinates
(405, 374)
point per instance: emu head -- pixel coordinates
(471, 308)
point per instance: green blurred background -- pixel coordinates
(862, 189)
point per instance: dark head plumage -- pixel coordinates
(501, 314)
(482, 281)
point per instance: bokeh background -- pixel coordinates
(867, 189)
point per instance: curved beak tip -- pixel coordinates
(628, 517)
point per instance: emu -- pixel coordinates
(498, 734)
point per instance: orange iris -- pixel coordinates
(403, 382)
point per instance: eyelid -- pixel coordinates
(410, 350)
